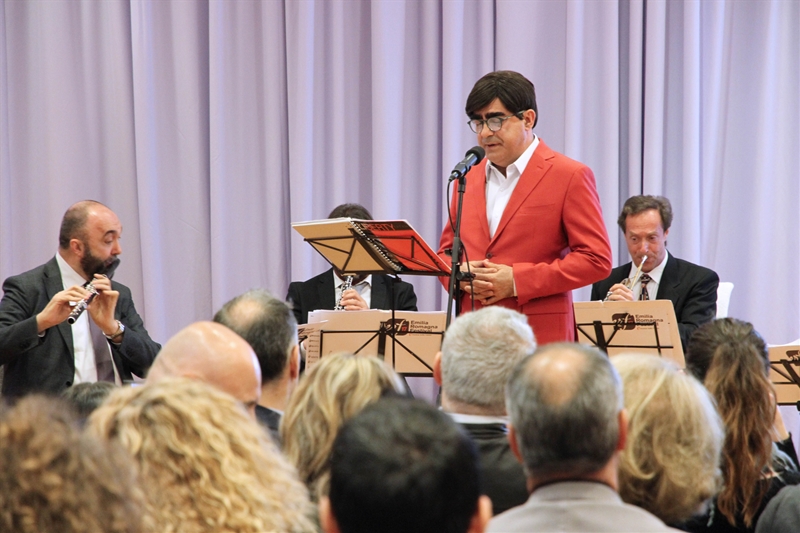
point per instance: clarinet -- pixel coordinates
(348, 283)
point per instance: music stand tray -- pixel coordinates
(642, 326)
(784, 373)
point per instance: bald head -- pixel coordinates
(564, 402)
(214, 354)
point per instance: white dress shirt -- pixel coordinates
(499, 188)
(655, 279)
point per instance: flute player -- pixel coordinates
(645, 222)
(40, 350)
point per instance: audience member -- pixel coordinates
(670, 465)
(213, 354)
(782, 513)
(40, 350)
(86, 397)
(53, 479)
(207, 466)
(366, 292)
(269, 326)
(479, 352)
(645, 223)
(333, 391)
(568, 427)
(731, 358)
(402, 466)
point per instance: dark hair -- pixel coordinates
(267, 324)
(732, 360)
(565, 425)
(86, 397)
(73, 225)
(639, 204)
(350, 211)
(515, 91)
(712, 337)
(401, 465)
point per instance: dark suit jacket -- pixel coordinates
(47, 364)
(552, 233)
(269, 420)
(319, 293)
(502, 475)
(692, 289)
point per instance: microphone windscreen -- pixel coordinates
(478, 152)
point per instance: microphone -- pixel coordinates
(473, 156)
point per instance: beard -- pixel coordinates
(91, 264)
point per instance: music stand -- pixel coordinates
(417, 337)
(648, 326)
(784, 373)
(359, 247)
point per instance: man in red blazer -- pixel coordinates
(532, 227)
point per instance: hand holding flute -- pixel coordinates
(97, 297)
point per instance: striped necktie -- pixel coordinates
(645, 279)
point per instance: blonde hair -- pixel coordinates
(205, 463)
(670, 465)
(333, 391)
(53, 479)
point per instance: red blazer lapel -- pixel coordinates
(476, 185)
(538, 165)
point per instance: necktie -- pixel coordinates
(645, 279)
(102, 353)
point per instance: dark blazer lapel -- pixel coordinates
(379, 293)
(326, 291)
(53, 285)
(531, 176)
(670, 280)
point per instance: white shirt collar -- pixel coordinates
(515, 169)
(460, 418)
(654, 274)
(68, 274)
(337, 281)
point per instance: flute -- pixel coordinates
(628, 282)
(81, 306)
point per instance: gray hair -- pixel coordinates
(479, 352)
(566, 423)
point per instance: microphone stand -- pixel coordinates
(456, 276)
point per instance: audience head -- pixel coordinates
(515, 92)
(54, 479)
(731, 358)
(401, 465)
(670, 465)
(86, 397)
(331, 392)
(357, 211)
(565, 406)
(214, 354)
(269, 327)
(207, 465)
(479, 352)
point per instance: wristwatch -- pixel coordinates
(120, 331)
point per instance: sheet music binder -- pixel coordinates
(357, 246)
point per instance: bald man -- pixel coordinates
(40, 350)
(212, 353)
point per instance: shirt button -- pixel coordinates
(489, 255)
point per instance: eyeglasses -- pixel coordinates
(494, 123)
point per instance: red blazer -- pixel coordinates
(552, 233)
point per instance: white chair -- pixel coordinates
(724, 298)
